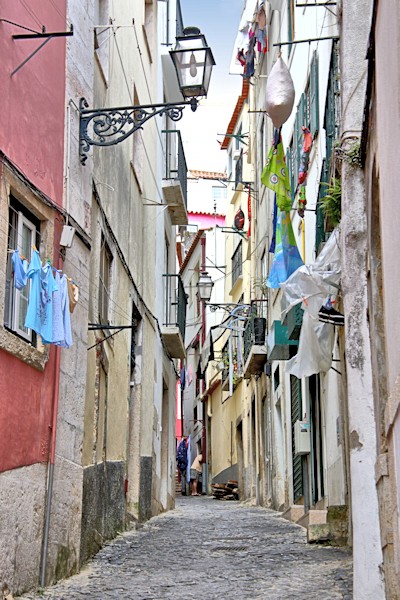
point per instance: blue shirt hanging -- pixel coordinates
(39, 316)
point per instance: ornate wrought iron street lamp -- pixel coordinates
(205, 286)
(193, 61)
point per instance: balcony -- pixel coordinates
(254, 343)
(174, 320)
(175, 177)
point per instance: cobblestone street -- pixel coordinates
(212, 549)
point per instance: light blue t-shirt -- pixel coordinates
(20, 269)
(61, 315)
(39, 316)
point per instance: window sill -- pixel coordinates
(14, 345)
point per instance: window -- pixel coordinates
(237, 264)
(307, 115)
(219, 198)
(104, 281)
(22, 235)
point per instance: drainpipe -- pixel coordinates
(203, 339)
(51, 465)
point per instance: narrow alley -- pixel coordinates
(212, 549)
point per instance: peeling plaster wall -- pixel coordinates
(63, 556)
(368, 579)
(384, 223)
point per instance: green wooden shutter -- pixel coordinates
(295, 394)
(313, 96)
(320, 217)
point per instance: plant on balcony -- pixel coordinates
(332, 202)
(225, 360)
(260, 285)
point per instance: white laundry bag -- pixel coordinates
(279, 94)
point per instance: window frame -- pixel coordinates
(104, 296)
(27, 196)
(12, 301)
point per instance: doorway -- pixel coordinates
(317, 455)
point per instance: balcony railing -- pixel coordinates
(254, 338)
(175, 161)
(254, 335)
(175, 303)
(175, 174)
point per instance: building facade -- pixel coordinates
(91, 442)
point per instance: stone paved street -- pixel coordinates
(212, 549)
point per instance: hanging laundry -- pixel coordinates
(240, 57)
(20, 266)
(39, 316)
(61, 315)
(305, 156)
(58, 327)
(275, 175)
(48, 312)
(73, 294)
(287, 258)
(261, 32)
(67, 341)
(249, 67)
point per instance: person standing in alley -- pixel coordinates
(196, 471)
(182, 462)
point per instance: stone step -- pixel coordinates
(294, 512)
(313, 517)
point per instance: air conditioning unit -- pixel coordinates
(236, 154)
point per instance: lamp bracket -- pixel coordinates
(110, 126)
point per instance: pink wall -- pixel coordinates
(206, 220)
(32, 137)
(32, 100)
(25, 412)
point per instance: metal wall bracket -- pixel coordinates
(110, 126)
(33, 36)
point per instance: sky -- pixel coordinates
(219, 21)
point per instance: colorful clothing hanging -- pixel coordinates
(20, 266)
(39, 316)
(287, 258)
(275, 176)
(50, 299)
